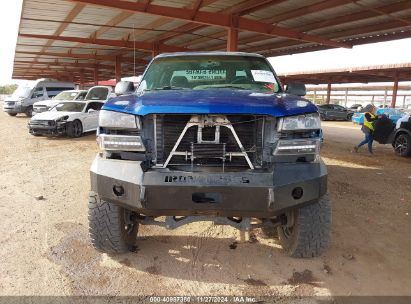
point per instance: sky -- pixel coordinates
(397, 51)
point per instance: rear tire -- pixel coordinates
(402, 145)
(110, 226)
(307, 231)
(74, 129)
(12, 114)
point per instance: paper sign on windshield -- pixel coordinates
(263, 76)
(194, 75)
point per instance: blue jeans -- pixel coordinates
(368, 140)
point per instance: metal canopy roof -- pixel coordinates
(381, 73)
(85, 40)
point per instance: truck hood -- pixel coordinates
(220, 101)
(50, 115)
(13, 99)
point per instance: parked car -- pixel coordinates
(355, 107)
(402, 136)
(210, 136)
(334, 112)
(26, 95)
(393, 114)
(71, 118)
(42, 106)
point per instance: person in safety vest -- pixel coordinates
(368, 127)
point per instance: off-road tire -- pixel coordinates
(74, 129)
(107, 226)
(402, 145)
(29, 112)
(12, 114)
(310, 230)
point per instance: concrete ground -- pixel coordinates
(45, 248)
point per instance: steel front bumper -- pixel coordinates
(246, 194)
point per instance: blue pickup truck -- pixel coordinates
(210, 136)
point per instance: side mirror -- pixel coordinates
(296, 88)
(124, 88)
(91, 111)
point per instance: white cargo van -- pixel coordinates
(26, 95)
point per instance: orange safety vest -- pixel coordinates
(367, 123)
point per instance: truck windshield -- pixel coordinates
(65, 95)
(22, 92)
(97, 93)
(210, 73)
(69, 107)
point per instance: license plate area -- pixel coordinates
(206, 197)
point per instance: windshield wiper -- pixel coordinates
(170, 88)
(228, 86)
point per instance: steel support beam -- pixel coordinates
(70, 17)
(240, 9)
(346, 98)
(118, 68)
(81, 79)
(309, 9)
(232, 39)
(64, 64)
(84, 56)
(96, 75)
(394, 92)
(328, 92)
(317, 7)
(213, 18)
(385, 98)
(155, 51)
(140, 45)
(339, 20)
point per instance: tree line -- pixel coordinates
(8, 89)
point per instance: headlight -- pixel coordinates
(297, 146)
(300, 122)
(120, 143)
(61, 119)
(109, 119)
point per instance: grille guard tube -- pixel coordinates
(204, 121)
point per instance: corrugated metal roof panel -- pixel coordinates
(376, 27)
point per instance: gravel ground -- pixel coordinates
(45, 248)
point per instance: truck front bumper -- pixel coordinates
(160, 192)
(13, 108)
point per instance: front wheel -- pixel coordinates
(74, 129)
(307, 231)
(112, 228)
(402, 145)
(29, 112)
(12, 114)
(349, 117)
